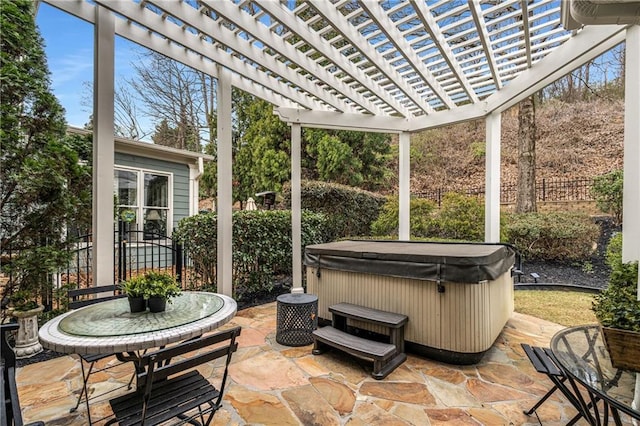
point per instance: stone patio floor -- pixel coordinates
(271, 384)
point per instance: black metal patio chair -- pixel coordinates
(543, 361)
(79, 298)
(169, 387)
(10, 412)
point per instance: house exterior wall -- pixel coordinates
(180, 172)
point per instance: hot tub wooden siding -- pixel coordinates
(464, 320)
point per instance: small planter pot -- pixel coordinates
(623, 347)
(27, 343)
(157, 304)
(137, 304)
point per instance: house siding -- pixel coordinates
(180, 180)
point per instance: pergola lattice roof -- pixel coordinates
(405, 59)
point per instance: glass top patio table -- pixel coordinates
(109, 327)
(583, 356)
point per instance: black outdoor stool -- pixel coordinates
(543, 361)
(297, 317)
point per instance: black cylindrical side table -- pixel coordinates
(297, 318)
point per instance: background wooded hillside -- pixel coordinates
(580, 139)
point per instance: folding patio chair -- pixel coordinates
(543, 361)
(169, 390)
(79, 298)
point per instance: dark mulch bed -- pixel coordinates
(589, 273)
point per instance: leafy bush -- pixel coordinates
(461, 217)
(617, 305)
(261, 246)
(552, 236)
(421, 218)
(350, 211)
(607, 190)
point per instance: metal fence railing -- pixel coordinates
(555, 189)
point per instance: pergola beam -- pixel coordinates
(395, 37)
(322, 46)
(483, 34)
(374, 56)
(431, 26)
(233, 13)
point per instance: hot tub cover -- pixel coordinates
(449, 262)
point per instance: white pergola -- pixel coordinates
(372, 65)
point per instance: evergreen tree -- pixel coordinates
(43, 184)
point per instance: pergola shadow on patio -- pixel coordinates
(273, 384)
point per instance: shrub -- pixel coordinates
(607, 190)
(617, 305)
(552, 236)
(261, 246)
(421, 218)
(350, 211)
(461, 217)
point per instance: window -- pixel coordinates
(143, 202)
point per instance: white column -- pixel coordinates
(631, 194)
(492, 179)
(195, 171)
(103, 147)
(296, 209)
(225, 196)
(404, 183)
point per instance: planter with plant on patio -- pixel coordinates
(158, 288)
(25, 310)
(133, 288)
(618, 309)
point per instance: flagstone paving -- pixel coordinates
(271, 384)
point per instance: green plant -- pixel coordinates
(261, 246)
(22, 300)
(421, 218)
(42, 183)
(617, 306)
(461, 217)
(133, 287)
(607, 190)
(159, 284)
(350, 211)
(552, 236)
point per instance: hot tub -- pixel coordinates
(458, 297)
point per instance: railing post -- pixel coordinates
(544, 189)
(178, 254)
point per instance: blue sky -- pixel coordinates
(69, 48)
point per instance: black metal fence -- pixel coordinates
(134, 253)
(555, 189)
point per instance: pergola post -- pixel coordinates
(296, 206)
(224, 205)
(492, 179)
(631, 188)
(103, 147)
(404, 183)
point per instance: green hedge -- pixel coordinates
(460, 217)
(261, 246)
(350, 211)
(421, 214)
(552, 236)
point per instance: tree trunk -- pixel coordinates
(526, 200)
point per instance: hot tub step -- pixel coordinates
(384, 355)
(374, 316)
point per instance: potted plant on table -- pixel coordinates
(134, 289)
(158, 289)
(618, 309)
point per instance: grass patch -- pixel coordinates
(566, 308)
